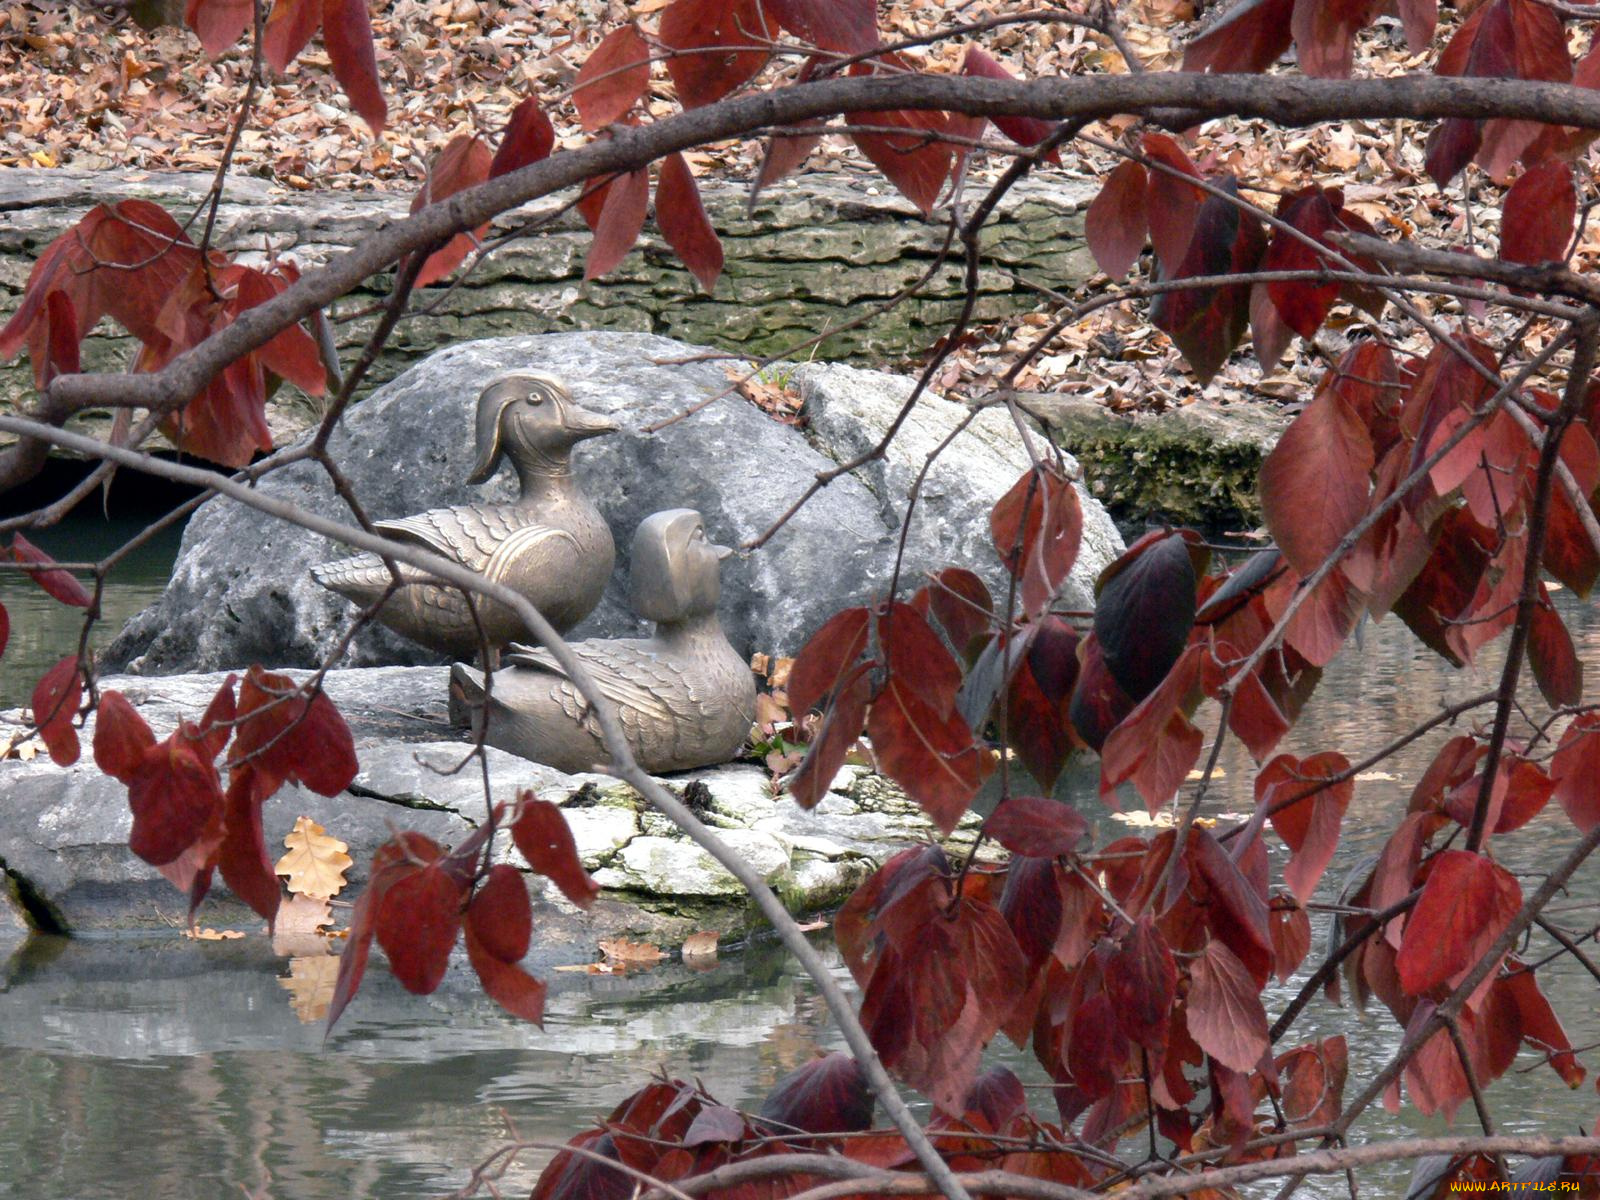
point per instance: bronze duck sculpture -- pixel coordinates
(550, 544)
(685, 697)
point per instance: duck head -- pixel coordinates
(530, 416)
(675, 571)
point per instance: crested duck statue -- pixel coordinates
(685, 697)
(550, 544)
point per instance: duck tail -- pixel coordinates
(361, 578)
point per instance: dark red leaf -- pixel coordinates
(1036, 527)
(917, 162)
(55, 702)
(417, 925)
(828, 1095)
(913, 654)
(544, 838)
(288, 28)
(1325, 33)
(1036, 827)
(218, 23)
(60, 584)
(1541, 1028)
(1156, 746)
(585, 1177)
(507, 984)
(841, 727)
(1224, 1011)
(174, 794)
(1312, 212)
(617, 227)
(1145, 609)
(463, 163)
(705, 34)
(1141, 981)
(683, 221)
(1552, 655)
(1116, 226)
(1206, 323)
(1098, 702)
(1238, 910)
(500, 915)
(347, 35)
(1537, 214)
(1172, 203)
(527, 138)
(612, 78)
(961, 603)
(1291, 941)
(1315, 483)
(1576, 767)
(1025, 131)
(288, 737)
(930, 754)
(846, 26)
(62, 338)
(825, 659)
(393, 861)
(242, 856)
(1038, 723)
(1249, 38)
(1466, 904)
(1306, 812)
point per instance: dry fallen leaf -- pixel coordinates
(298, 928)
(316, 863)
(212, 935)
(701, 945)
(641, 954)
(812, 926)
(310, 984)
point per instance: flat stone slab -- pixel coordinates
(63, 845)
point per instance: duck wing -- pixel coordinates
(631, 674)
(476, 536)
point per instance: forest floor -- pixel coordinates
(82, 89)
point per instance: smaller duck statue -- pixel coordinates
(685, 697)
(550, 544)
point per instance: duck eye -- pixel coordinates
(534, 399)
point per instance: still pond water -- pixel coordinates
(182, 1071)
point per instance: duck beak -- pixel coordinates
(580, 423)
(722, 552)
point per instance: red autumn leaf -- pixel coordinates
(683, 221)
(1038, 723)
(1237, 912)
(542, 835)
(500, 915)
(827, 1095)
(1116, 226)
(1568, 553)
(1313, 1080)
(619, 222)
(1098, 702)
(63, 337)
(1206, 323)
(1249, 38)
(845, 26)
(173, 792)
(1554, 659)
(1036, 527)
(1224, 1011)
(1541, 1028)
(289, 27)
(1313, 213)
(121, 736)
(1036, 827)
(713, 1124)
(242, 856)
(463, 163)
(711, 41)
(347, 35)
(1537, 214)
(392, 861)
(1325, 33)
(1141, 981)
(218, 23)
(1309, 821)
(60, 584)
(1576, 770)
(527, 138)
(1145, 609)
(1025, 131)
(417, 925)
(288, 737)
(1291, 940)
(917, 161)
(1172, 202)
(1155, 746)
(961, 603)
(825, 659)
(1315, 483)
(913, 654)
(507, 984)
(928, 752)
(612, 78)
(841, 727)
(292, 353)
(55, 702)
(1466, 903)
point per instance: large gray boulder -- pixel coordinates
(65, 860)
(241, 591)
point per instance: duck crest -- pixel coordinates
(685, 697)
(551, 544)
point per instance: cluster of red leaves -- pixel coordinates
(346, 35)
(422, 897)
(132, 262)
(185, 824)
(58, 696)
